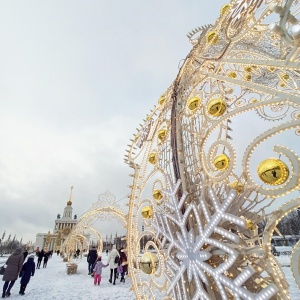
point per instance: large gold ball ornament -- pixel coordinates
(273, 171)
(221, 162)
(147, 212)
(157, 195)
(162, 134)
(216, 107)
(238, 186)
(224, 9)
(149, 263)
(212, 37)
(152, 158)
(161, 100)
(193, 103)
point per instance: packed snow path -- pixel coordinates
(53, 283)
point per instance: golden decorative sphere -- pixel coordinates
(193, 103)
(250, 225)
(248, 77)
(221, 162)
(212, 37)
(285, 76)
(162, 134)
(237, 185)
(216, 107)
(248, 69)
(271, 69)
(147, 212)
(273, 171)
(149, 263)
(161, 100)
(232, 74)
(224, 9)
(157, 194)
(152, 158)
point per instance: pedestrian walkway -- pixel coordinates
(53, 283)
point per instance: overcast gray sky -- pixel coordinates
(76, 79)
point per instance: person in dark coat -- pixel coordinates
(91, 258)
(14, 265)
(46, 257)
(124, 263)
(40, 258)
(25, 253)
(27, 271)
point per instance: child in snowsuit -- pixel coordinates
(98, 270)
(26, 272)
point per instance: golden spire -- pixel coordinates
(69, 203)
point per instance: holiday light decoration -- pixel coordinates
(217, 156)
(105, 209)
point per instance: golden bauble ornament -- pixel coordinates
(193, 103)
(216, 107)
(212, 37)
(224, 9)
(162, 134)
(157, 195)
(161, 100)
(221, 162)
(152, 158)
(273, 171)
(147, 212)
(149, 263)
(232, 74)
(250, 225)
(238, 186)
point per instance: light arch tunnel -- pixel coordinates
(84, 227)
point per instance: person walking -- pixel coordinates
(46, 257)
(77, 252)
(40, 258)
(14, 265)
(113, 261)
(98, 270)
(27, 271)
(124, 263)
(25, 253)
(91, 258)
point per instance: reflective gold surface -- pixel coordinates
(162, 134)
(273, 171)
(147, 212)
(238, 186)
(149, 263)
(224, 9)
(216, 107)
(221, 162)
(161, 100)
(193, 103)
(157, 194)
(152, 158)
(212, 37)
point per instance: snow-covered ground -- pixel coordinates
(54, 283)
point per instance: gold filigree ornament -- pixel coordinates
(212, 170)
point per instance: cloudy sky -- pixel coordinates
(76, 79)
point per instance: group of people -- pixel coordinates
(117, 262)
(15, 268)
(43, 256)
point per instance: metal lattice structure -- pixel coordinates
(105, 209)
(211, 161)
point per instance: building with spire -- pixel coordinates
(62, 228)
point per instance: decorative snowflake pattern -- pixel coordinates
(189, 253)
